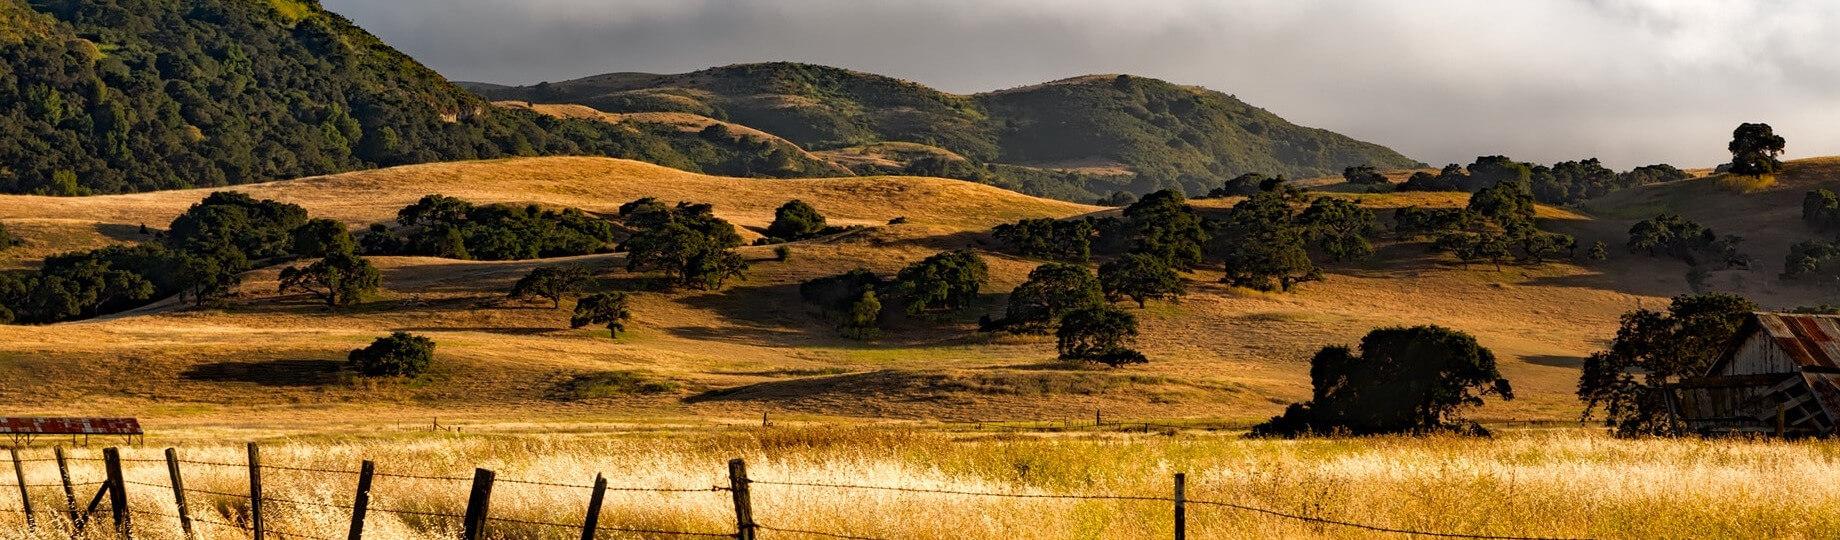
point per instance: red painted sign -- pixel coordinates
(69, 426)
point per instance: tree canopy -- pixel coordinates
(1754, 148)
(399, 354)
(1627, 382)
(553, 283)
(1099, 334)
(607, 309)
(339, 279)
(1140, 277)
(1164, 226)
(795, 220)
(1052, 290)
(942, 282)
(688, 243)
(1404, 380)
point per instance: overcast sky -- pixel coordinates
(1630, 81)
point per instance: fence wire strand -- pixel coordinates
(958, 492)
(1363, 526)
(815, 533)
(1050, 496)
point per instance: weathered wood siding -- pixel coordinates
(1758, 355)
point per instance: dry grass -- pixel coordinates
(1556, 483)
(1220, 353)
(680, 121)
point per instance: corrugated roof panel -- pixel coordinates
(1809, 340)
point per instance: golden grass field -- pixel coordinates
(696, 366)
(1543, 483)
(1220, 354)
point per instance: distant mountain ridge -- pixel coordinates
(1068, 138)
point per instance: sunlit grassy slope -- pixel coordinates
(1220, 353)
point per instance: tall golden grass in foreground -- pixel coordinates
(1569, 483)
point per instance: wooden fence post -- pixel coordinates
(593, 521)
(70, 492)
(257, 529)
(360, 503)
(1098, 420)
(178, 487)
(25, 498)
(478, 504)
(744, 508)
(118, 493)
(1181, 506)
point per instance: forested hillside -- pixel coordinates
(1078, 138)
(100, 96)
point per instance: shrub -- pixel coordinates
(1364, 175)
(8, 240)
(863, 321)
(400, 354)
(1821, 209)
(796, 220)
(782, 253)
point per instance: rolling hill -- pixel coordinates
(1067, 139)
(1219, 353)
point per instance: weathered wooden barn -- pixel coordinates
(1780, 372)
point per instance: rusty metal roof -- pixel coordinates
(1809, 340)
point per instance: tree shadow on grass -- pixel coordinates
(276, 373)
(503, 330)
(1552, 360)
(123, 232)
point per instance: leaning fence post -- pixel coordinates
(118, 492)
(257, 528)
(592, 522)
(178, 487)
(70, 492)
(25, 499)
(478, 504)
(744, 508)
(360, 503)
(1181, 506)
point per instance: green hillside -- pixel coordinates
(133, 95)
(1069, 139)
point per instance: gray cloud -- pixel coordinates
(1630, 81)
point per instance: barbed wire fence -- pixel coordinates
(109, 506)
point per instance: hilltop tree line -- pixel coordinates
(441, 226)
(1561, 183)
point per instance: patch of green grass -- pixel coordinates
(610, 384)
(292, 10)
